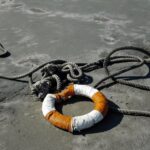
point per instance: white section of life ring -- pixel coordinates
(48, 104)
(84, 90)
(86, 121)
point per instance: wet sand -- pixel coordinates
(80, 31)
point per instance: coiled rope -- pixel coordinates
(57, 72)
(140, 63)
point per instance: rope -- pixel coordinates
(57, 73)
(121, 81)
(3, 50)
(32, 71)
(130, 112)
(73, 70)
(42, 87)
(106, 62)
(58, 81)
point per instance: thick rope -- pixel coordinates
(3, 52)
(58, 81)
(130, 112)
(74, 71)
(32, 71)
(122, 81)
(105, 64)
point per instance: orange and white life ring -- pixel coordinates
(76, 123)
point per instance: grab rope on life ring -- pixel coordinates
(76, 123)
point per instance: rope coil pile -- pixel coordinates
(57, 74)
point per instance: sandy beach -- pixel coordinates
(37, 31)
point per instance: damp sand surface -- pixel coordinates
(36, 31)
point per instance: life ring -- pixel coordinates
(76, 123)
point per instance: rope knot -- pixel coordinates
(74, 72)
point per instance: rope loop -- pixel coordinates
(73, 71)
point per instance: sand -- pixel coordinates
(36, 31)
